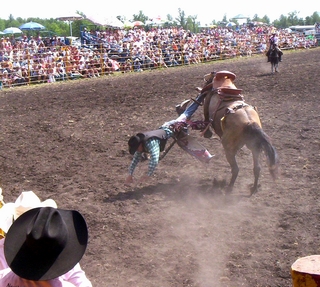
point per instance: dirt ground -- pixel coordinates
(68, 141)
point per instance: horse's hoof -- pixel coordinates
(254, 190)
(229, 190)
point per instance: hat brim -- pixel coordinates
(36, 266)
(132, 150)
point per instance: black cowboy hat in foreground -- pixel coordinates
(44, 243)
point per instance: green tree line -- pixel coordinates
(191, 22)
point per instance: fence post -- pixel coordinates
(305, 271)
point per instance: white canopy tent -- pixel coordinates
(105, 20)
(70, 17)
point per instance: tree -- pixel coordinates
(181, 19)
(224, 19)
(293, 18)
(282, 22)
(140, 17)
(315, 18)
(256, 18)
(192, 24)
(121, 18)
(265, 19)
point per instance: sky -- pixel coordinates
(213, 10)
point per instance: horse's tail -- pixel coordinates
(260, 141)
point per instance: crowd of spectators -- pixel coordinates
(26, 60)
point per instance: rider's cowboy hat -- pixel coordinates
(12, 210)
(134, 142)
(45, 242)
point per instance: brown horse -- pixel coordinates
(237, 124)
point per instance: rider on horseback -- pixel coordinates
(274, 44)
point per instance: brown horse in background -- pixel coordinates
(237, 124)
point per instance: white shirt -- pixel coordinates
(74, 278)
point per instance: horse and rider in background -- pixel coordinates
(274, 53)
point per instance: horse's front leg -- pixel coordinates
(231, 158)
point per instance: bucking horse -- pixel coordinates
(237, 124)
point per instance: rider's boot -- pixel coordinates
(208, 134)
(268, 55)
(181, 108)
(280, 53)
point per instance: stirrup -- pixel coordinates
(200, 104)
(180, 108)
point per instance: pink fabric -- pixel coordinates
(74, 278)
(3, 262)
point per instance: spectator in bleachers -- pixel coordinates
(60, 72)
(126, 67)
(51, 73)
(5, 79)
(75, 74)
(40, 73)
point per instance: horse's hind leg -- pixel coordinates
(231, 158)
(256, 171)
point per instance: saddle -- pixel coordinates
(229, 92)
